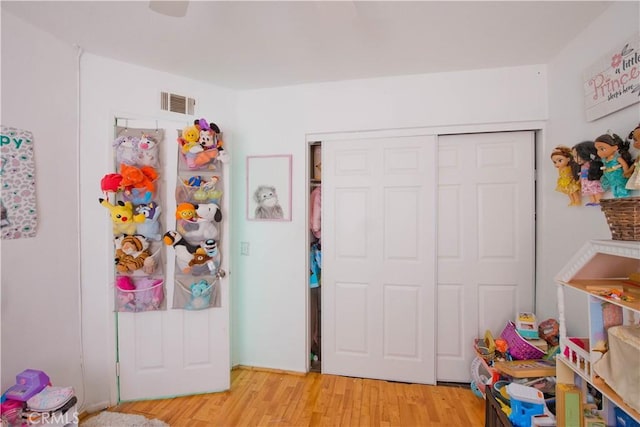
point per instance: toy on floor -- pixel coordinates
(28, 383)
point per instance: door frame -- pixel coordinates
(537, 127)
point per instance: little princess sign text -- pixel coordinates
(613, 82)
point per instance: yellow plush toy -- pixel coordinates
(190, 138)
(122, 216)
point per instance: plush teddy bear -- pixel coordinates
(132, 253)
(200, 295)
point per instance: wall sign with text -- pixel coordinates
(18, 174)
(613, 82)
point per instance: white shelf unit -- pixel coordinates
(599, 263)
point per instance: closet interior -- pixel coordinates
(315, 254)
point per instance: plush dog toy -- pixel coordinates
(147, 216)
(204, 228)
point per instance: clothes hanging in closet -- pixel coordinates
(316, 211)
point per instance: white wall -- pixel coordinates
(272, 280)
(111, 88)
(562, 230)
(40, 275)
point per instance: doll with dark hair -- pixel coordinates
(588, 171)
(616, 158)
(634, 171)
(562, 159)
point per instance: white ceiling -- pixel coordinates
(247, 45)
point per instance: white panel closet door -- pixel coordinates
(486, 241)
(378, 276)
(176, 352)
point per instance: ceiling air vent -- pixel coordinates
(177, 103)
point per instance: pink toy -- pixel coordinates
(28, 383)
(124, 283)
(125, 294)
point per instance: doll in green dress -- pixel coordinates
(616, 160)
(634, 170)
(562, 159)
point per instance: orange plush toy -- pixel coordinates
(133, 177)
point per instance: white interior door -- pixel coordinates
(378, 275)
(486, 237)
(176, 352)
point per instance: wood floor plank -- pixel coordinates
(275, 398)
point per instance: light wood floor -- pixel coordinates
(259, 398)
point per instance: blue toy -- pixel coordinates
(200, 295)
(147, 216)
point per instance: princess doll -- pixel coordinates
(634, 170)
(563, 161)
(616, 158)
(588, 171)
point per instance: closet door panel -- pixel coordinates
(383, 242)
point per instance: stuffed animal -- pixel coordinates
(147, 216)
(148, 152)
(204, 227)
(121, 215)
(110, 183)
(186, 212)
(126, 148)
(184, 250)
(200, 295)
(189, 140)
(125, 294)
(150, 294)
(200, 258)
(132, 253)
(133, 177)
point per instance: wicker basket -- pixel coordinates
(623, 217)
(519, 348)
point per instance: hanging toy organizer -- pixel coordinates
(132, 196)
(198, 233)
